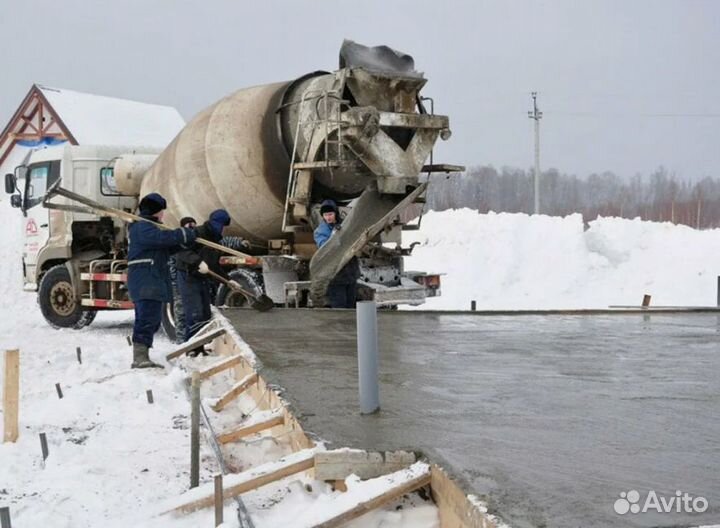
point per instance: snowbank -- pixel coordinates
(516, 261)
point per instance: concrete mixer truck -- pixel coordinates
(269, 155)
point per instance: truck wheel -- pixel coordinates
(57, 301)
(168, 322)
(248, 280)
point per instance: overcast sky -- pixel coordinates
(624, 85)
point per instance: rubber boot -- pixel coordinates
(141, 357)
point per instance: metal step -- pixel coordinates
(443, 167)
(306, 165)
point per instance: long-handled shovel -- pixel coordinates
(94, 208)
(261, 303)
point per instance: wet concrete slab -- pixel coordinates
(547, 417)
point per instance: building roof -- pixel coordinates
(99, 120)
(52, 115)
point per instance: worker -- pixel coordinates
(342, 290)
(178, 314)
(148, 274)
(193, 265)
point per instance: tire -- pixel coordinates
(57, 301)
(248, 280)
(168, 322)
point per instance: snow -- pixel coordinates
(517, 261)
(99, 120)
(360, 491)
(230, 481)
(113, 457)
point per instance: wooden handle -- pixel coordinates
(129, 217)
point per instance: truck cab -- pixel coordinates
(59, 245)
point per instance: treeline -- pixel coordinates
(660, 196)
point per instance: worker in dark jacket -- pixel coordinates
(148, 274)
(192, 266)
(342, 290)
(178, 314)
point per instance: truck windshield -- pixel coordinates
(36, 185)
(37, 180)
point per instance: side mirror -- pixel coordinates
(9, 183)
(16, 200)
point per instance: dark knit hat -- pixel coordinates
(185, 220)
(218, 219)
(328, 206)
(152, 204)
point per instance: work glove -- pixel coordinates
(203, 267)
(235, 285)
(245, 244)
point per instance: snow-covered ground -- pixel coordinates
(114, 457)
(516, 261)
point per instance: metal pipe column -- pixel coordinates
(367, 344)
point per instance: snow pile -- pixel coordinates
(516, 261)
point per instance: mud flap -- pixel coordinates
(368, 217)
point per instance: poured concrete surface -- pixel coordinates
(548, 418)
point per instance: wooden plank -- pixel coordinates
(234, 392)
(369, 495)
(196, 341)
(11, 396)
(454, 506)
(340, 463)
(221, 366)
(233, 485)
(264, 420)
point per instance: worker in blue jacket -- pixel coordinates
(148, 273)
(342, 290)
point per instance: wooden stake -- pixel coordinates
(473, 306)
(150, 396)
(646, 300)
(195, 431)
(218, 499)
(11, 395)
(129, 340)
(79, 355)
(59, 391)
(44, 446)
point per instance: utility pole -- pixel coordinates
(536, 115)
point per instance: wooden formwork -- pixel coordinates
(403, 472)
